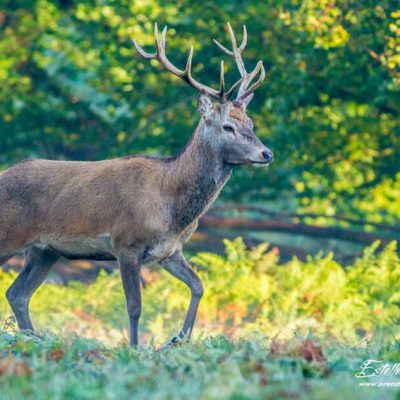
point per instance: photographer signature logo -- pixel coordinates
(377, 368)
(371, 368)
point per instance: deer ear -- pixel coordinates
(205, 106)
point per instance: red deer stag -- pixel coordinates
(135, 209)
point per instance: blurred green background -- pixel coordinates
(73, 87)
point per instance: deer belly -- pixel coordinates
(96, 248)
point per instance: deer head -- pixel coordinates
(226, 129)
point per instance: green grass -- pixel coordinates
(53, 367)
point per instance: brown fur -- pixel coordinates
(76, 199)
(238, 114)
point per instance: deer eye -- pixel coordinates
(228, 128)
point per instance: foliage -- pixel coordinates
(71, 86)
(246, 293)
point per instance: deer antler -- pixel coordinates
(236, 52)
(185, 74)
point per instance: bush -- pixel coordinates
(247, 292)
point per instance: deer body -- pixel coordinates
(136, 209)
(148, 205)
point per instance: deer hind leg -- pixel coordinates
(181, 269)
(38, 263)
(130, 266)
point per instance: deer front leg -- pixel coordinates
(130, 274)
(181, 269)
(38, 263)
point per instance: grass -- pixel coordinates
(53, 367)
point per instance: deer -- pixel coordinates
(138, 210)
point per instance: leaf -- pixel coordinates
(13, 366)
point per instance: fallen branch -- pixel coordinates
(283, 215)
(293, 228)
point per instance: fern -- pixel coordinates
(247, 292)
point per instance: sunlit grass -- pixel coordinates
(212, 368)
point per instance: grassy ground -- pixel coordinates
(52, 367)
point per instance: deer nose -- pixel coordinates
(268, 156)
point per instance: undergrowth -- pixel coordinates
(247, 292)
(265, 330)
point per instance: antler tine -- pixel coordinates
(223, 48)
(188, 68)
(244, 40)
(222, 80)
(143, 53)
(233, 41)
(229, 93)
(232, 36)
(256, 85)
(156, 38)
(236, 52)
(163, 37)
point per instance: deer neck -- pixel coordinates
(196, 177)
